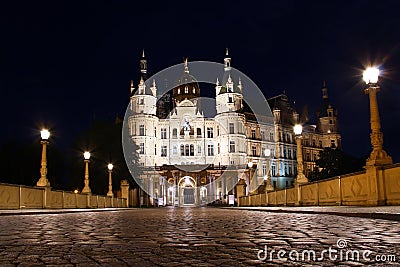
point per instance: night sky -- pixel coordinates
(62, 64)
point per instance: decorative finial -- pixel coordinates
(227, 52)
(217, 82)
(143, 54)
(186, 65)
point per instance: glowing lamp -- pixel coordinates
(86, 155)
(250, 164)
(110, 167)
(298, 129)
(267, 152)
(371, 75)
(45, 134)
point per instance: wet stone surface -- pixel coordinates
(194, 237)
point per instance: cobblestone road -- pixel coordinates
(191, 237)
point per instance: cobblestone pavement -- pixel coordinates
(193, 237)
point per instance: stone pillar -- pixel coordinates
(86, 188)
(125, 191)
(300, 178)
(240, 190)
(43, 170)
(378, 156)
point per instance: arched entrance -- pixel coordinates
(187, 190)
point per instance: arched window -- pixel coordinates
(191, 150)
(179, 90)
(186, 90)
(182, 150)
(186, 150)
(174, 133)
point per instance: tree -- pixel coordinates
(333, 162)
(104, 140)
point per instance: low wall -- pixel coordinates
(374, 186)
(26, 197)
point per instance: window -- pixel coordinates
(155, 149)
(198, 131)
(210, 132)
(182, 150)
(186, 90)
(191, 150)
(320, 143)
(289, 153)
(210, 150)
(186, 150)
(198, 149)
(194, 91)
(163, 151)
(179, 91)
(174, 150)
(284, 153)
(155, 131)
(254, 150)
(253, 134)
(141, 130)
(218, 130)
(174, 133)
(330, 114)
(264, 169)
(308, 158)
(290, 171)
(230, 99)
(219, 149)
(163, 133)
(232, 146)
(271, 136)
(330, 121)
(231, 128)
(232, 162)
(273, 170)
(333, 144)
(262, 135)
(141, 148)
(141, 101)
(314, 143)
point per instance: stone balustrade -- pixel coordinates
(372, 187)
(26, 197)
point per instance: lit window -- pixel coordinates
(186, 90)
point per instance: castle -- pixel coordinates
(187, 158)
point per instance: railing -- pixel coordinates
(27, 197)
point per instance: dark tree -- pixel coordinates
(104, 140)
(333, 162)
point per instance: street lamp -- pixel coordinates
(267, 179)
(110, 168)
(45, 134)
(378, 156)
(86, 188)
(300, 178)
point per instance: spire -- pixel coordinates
(217, 82)
(143, 66)
(186, 66)
(324, 91)
(227, 61)
(240, 86)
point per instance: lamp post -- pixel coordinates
(45, 134)
(86, 188)
(267, 178)
(300, 178)
(378, 156)
(110, 168)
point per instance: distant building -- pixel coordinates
(183, 153)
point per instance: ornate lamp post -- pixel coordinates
(267, 178)
(300, 178)
(110, 193)
(86, 188)
(378, 156)
(45, 134)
